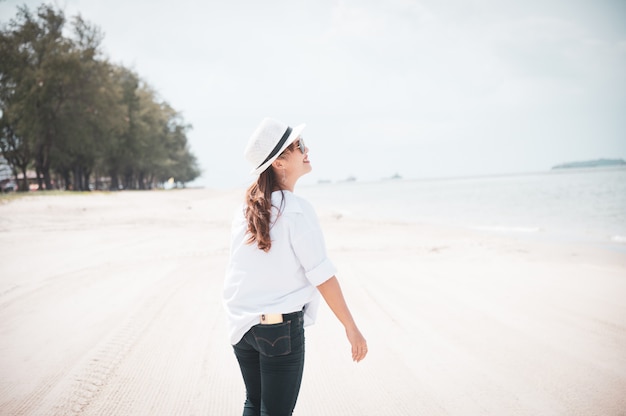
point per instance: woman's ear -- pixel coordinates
(278, 164)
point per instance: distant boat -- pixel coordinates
(598, 163)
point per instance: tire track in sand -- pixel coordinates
(21, 395)
(90, 381)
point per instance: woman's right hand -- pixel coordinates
(331, 291)
(358, 343)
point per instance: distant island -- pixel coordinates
(394, 176)
(599, 163)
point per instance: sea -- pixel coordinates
(563, 205)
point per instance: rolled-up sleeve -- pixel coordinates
(310, 249)
(321, 273)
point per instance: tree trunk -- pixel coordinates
(142, 185)
(87, 174)
(66, 179)
(78, 178)
(39, 180)
(128, 181)
(115, 183)
(45, 157)
(24, 186)
(46, 177)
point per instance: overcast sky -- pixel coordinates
(423, 88)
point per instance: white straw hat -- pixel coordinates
(267, 143)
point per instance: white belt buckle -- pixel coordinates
(271, 318)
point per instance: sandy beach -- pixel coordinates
(110, 304)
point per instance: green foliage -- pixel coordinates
(71, 115)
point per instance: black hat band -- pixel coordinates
(278, 146)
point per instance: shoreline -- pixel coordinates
(611, 242)
(579, 207)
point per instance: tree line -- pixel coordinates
(77, 119)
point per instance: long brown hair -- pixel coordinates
(258, 209)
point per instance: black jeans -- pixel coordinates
(271, 359)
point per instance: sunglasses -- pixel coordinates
(301, 145)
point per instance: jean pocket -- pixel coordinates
(273, 340)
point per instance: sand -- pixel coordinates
(110, 305)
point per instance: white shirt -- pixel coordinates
(282, 280)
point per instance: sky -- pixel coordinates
(419, 88)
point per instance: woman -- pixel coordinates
(278, 268)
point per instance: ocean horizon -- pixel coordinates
(567, 205)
